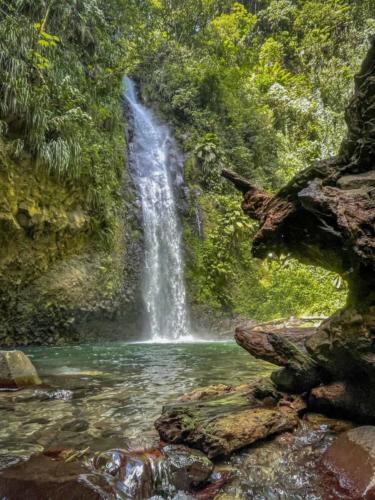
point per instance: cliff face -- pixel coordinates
(56, 284)
(326, 216)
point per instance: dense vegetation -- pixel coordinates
(61, 66)
(258, 86)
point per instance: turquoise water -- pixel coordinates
(107, 395)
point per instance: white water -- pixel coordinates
(153, 158)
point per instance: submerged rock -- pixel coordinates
(221, 424)
(42, 478)
(351, 460)
(78, 425)
(203, 392)
(16, 370)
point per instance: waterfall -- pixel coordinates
(155, 164)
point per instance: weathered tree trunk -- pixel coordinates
(283, 347)
(326, 217)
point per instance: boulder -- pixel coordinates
(16, 370)
(139, 474)
(43, 478)
(185, 468)
(351, 462)
(219, 425)
(132, 471)
(344, 343)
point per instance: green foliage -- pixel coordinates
(259, 87)
(62, 65)
(271, 84)
(223, 275)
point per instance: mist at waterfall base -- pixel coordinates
(156, 168)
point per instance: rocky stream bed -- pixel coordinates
(84, 428)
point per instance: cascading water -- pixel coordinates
(153, 157)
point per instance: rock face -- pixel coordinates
(54, 278)
(221, 424)
(326, 217)
(344, 399)
(351, 460)
(16, 370)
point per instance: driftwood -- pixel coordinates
(221, 421)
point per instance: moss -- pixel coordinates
(52, 270)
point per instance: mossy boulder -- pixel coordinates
(223, 423)
(16, 370)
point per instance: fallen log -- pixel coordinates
(286, 348)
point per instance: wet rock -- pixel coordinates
(215, 486)
(139, 474)
(222, 424)
(16, 370)
(132, 471)
(42, 478)
(351, 460)
(319, 421)
(263, 390)
(186, 468)
(285, 439)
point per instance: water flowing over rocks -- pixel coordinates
(16, 370)
(326, 217)
(118, 473)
